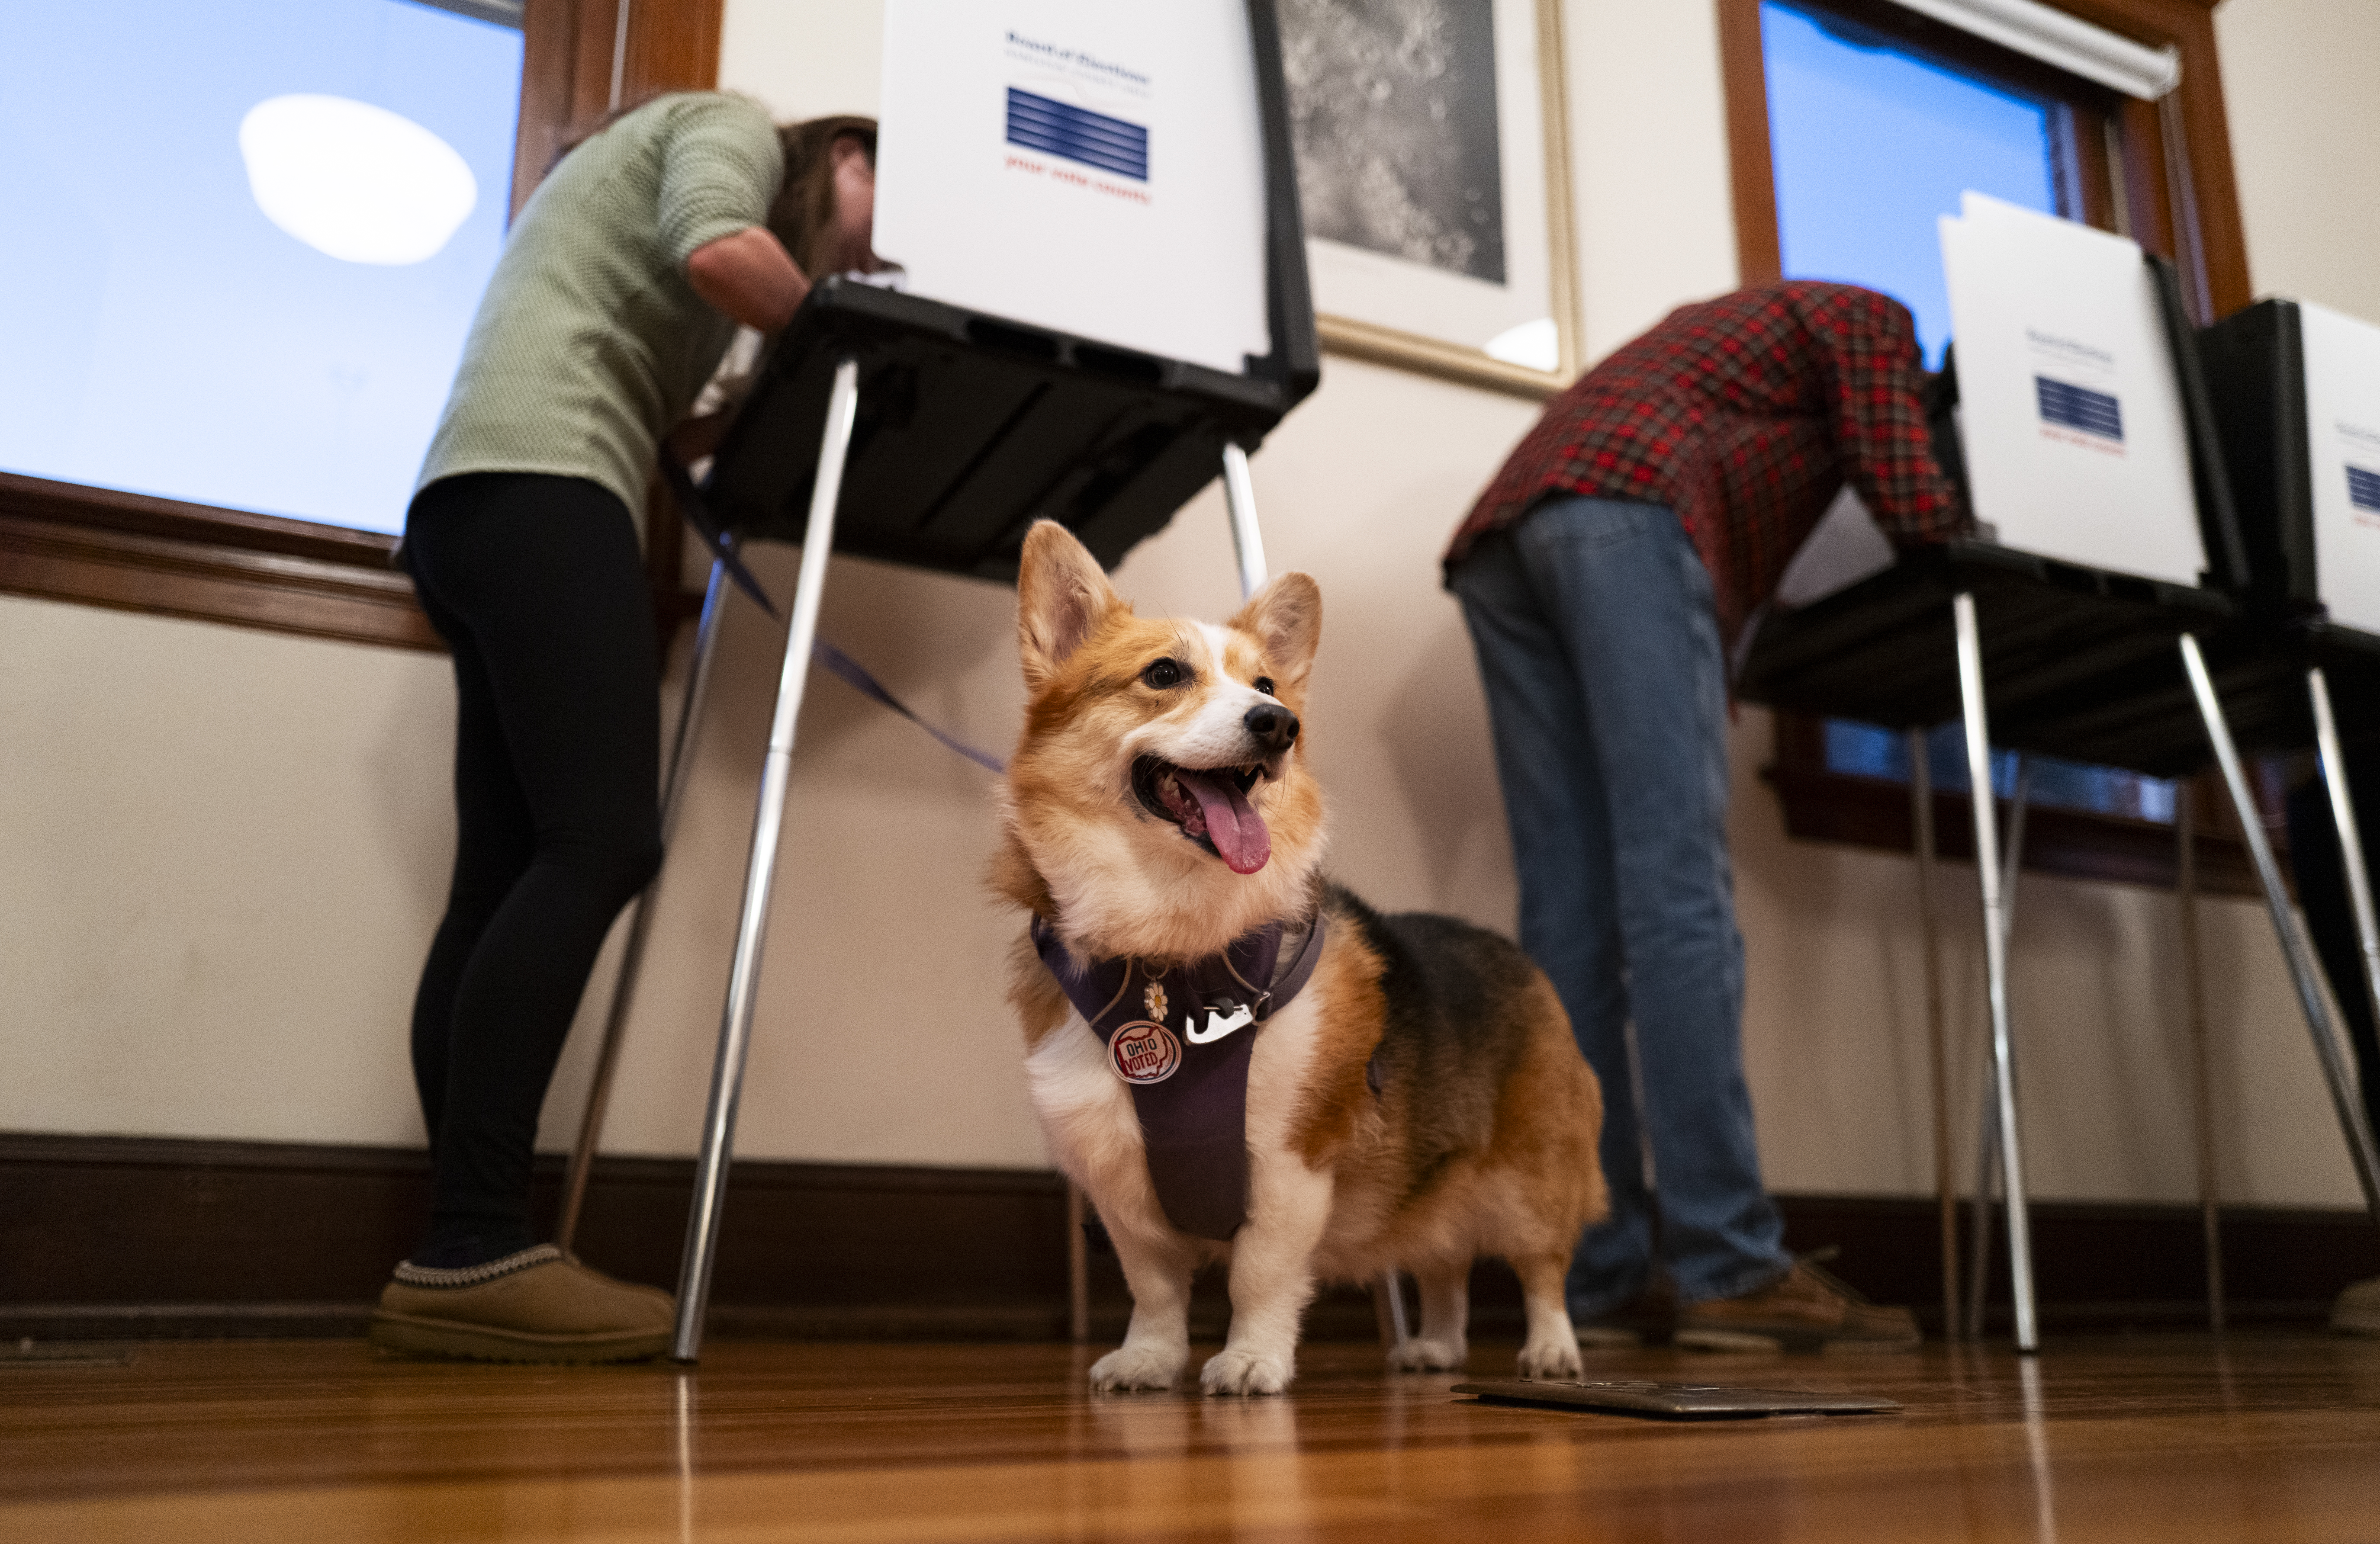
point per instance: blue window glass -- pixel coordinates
(1867, 751)
(245, 241)
(1870, 144)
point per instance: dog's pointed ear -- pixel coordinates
(1286, 616)
(1062, 599)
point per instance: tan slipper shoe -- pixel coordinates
(537, 1306)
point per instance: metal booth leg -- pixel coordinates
(640, 916)
(1987, 875)
(759, 875)
(1248, 546)
(2329, 1043)
(2350, 840)
(1946, 1183)
(1979, 1219)
(2201, 1076)
(2359, 890)
(1247, 541)
(1987, 1130)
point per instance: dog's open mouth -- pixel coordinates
(1210, 804)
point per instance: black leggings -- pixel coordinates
(536, 584)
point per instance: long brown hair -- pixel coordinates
(802, 213)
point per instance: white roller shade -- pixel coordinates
(2048, 34)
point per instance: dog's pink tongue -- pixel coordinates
(1233, 824)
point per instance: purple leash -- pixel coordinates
(855, 675)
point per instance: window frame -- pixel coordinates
(127, 552)
(2158, 171)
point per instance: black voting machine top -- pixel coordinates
(2255, 371)
(972, 426)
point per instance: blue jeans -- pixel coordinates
(1600, 653)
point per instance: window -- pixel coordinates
(1870, 143)
(145, 460)
(260, 254)
(1854, 124)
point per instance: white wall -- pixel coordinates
(222, 852)
(2305, 142)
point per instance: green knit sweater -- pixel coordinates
(590, 344)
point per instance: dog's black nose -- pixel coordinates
(1273, 727)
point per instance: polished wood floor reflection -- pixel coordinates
(2178, 1438)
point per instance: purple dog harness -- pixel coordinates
(1189, 1084)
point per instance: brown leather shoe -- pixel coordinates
(1648, 1319)
(537, 1306)
(1805, 1309)
(2357, 1312)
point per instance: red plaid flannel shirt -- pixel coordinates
(1745, 414)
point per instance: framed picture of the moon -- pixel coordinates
(1432, 151)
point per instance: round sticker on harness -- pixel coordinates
(1144, 1053)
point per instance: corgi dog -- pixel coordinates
(1409, 1094)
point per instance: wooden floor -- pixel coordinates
(2262, 1438)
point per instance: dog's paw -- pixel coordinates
(1551, 1358)
(1139, 1366)
(1241, 1370)
(1417, 1355)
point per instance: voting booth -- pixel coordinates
(2074, 416)
(1100, 287)
(1097, 305)
(2297, 402)
(2109, 565)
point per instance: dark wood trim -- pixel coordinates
(157, 1236)
(566, 75)
(550, 64)
(1822, 804)
(118, 1237)
(97, 546)
(1752, 177)
(63, 541)
(1871, 812)
(2189, 25)
(2101, 1265)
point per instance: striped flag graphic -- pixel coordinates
(1078, 134)
(2079, 407)
(2363, 488)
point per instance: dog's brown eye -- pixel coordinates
(1264, 683)
(1164, 673)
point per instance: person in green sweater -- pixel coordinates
(619, 287)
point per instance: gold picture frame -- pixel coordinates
(1379, 337)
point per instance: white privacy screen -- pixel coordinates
(1085, 166)
(2070, 410)
(2342, 367)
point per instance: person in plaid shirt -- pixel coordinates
(1603, 575)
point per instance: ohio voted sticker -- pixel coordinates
(1144, 1053)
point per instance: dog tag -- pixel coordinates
(1218, 1026)
(1141, 1052)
